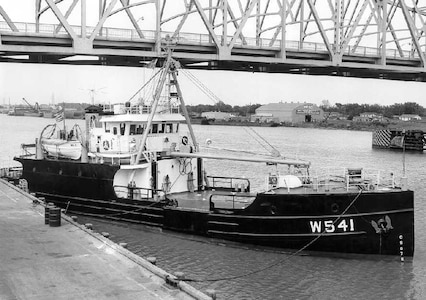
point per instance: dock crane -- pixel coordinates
(36, 107)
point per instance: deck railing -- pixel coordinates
(237, 184)
(231, 201)
(344, 178)
(352, 178)
(134, 192)
(124, 108)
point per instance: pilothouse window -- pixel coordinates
(122, 128)
(154, 128)
(169, 128)
(139, 129)
(132, 129)
(161, 128)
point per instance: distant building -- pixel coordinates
(263, 118)
(367, 117)
(334, 115)
(294, 112)
(409, 117)
(217, 115)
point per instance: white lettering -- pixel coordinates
(315, 226)
(351, 223)
(329, 226)
(344, 225)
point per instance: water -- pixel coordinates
(261, 273)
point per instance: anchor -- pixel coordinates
(383, 225)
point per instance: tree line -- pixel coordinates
(244, 110)
(350, 110)
(354, 109)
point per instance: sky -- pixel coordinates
(45, 83)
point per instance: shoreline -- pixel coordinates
(331, 124)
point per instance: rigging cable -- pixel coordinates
(146, 83)
(201, 86)
(275, 152)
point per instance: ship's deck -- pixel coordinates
(240, 200)
(223, 199)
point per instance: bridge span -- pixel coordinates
(361, 38)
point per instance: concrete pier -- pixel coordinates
(38, 261)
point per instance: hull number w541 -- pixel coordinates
(330, 226)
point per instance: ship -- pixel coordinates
(139, 164)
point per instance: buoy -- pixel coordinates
(124, 245)
(74, 218)
(88, 225)
(105, 234)
(211, 293)
(180, 275)
(152, 260)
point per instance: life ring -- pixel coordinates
(105, 144)
(273, 180)
(185, 140)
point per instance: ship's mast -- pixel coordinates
(169, 68)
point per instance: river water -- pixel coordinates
(239, 271)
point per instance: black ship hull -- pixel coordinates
(368, 222)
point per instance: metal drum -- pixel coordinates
(55, 217)
(46, 213)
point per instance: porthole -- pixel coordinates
(335, 207)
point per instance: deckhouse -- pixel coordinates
(119, 135)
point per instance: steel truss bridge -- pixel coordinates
(361, 38)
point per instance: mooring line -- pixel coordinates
(281, 261)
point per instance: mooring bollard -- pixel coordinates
(152, 260)
(54, 216)
(211, 293)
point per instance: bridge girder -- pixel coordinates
(362, 38)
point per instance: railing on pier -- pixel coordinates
(11, 173)
(237, 184)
